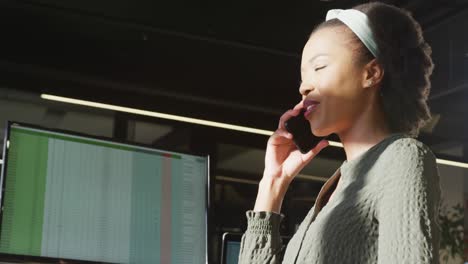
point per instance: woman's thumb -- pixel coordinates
(313, 152)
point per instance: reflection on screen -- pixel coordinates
(79, 198)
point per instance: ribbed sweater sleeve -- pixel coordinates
(261, 242)
(408, 208)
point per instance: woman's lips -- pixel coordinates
(311, 108)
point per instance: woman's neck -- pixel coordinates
(356, 143)
(368, 130)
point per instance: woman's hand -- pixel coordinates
(283, 161)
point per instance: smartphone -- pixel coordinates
(303, 138)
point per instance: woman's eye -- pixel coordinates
(319, 68)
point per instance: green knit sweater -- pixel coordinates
(384, 210)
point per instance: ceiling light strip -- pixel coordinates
(155, 114)
(195, 121)
(335, 144)
(452, 163)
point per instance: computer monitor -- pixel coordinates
(230, 248)
(71, 196)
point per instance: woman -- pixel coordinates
(365, 77)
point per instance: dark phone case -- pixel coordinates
(299, 127)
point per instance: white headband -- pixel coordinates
(358, 22)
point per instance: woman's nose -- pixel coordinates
(304, 90)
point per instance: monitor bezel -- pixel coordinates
(41, 259)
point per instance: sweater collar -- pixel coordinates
(351, 165)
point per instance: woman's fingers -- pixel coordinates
(313, 152)
(281, 132)
(299, 106)
(297, 161)
(287, 115)
(290, 113)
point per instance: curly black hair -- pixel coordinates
(406, 59)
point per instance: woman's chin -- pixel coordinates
(318, 131)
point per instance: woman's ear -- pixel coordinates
(373, 74)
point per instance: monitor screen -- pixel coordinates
(231, 243)
(232, 252)
(70, 196)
